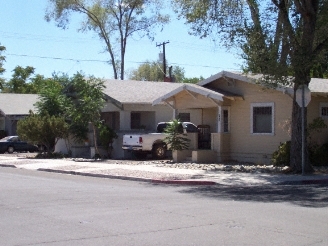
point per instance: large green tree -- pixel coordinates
(2, 60)
(153, 71)
(78, 99)
(277, 38)
(25, 81)
(114, 21)
(87, 100)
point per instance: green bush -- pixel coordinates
(175, 138)
(319, 155)
(281, 157)
(106, 137)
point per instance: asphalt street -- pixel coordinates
(40, 208)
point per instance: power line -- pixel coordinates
(60, 58)
(104, 61)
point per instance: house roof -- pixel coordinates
(316, 86)
(319, 86)
(132, 91)
(17, 104)
(145, 92)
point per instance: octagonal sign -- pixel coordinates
(307, 96)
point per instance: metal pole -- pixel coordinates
(303, 133)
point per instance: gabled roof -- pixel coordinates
(316, 86)
(122, 92)
(191, 88)
(232, 75)
(142, 92)
(17, 104)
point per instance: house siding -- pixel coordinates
(245, 146)
(313, 110)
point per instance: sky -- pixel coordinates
(32, 41)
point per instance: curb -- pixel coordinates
(154, 181)
(183, 182)
(305, 182)
(96, 175)
(7, 165)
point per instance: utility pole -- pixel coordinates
(164, 58)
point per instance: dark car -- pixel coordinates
(13, 143)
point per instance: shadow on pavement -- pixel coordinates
(305, 196)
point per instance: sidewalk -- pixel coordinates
(155, 172)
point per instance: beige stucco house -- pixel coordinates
(247, 121)
(252, 123)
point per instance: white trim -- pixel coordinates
(323, 105)
(191, 89)
(253, 105)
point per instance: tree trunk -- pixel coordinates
(95, 140)
(296, 139)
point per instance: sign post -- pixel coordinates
(303, 98)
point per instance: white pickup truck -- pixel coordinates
(142, 144)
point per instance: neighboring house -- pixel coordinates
(129, 108)
(14, 107)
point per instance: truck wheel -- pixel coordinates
(10, 149)
(159, 151)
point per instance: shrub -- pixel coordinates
(319, 155)
(281, 157)
(175, 138)
(106, 137)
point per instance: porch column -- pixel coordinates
(174, 114)
(125, 120)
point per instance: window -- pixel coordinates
(135, 120)
(324, 110)
(184, 117)
(262, 120)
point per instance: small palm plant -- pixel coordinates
(176, 139)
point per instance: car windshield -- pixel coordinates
(5, 139)
(9, 138)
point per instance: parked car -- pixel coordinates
(13, 143)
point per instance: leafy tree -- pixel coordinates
(176, 139)
(277, 37)
(2, 70)
(78, 99)
(114, 21)
(194, 80)
(52, 100)
(20, 79)
(153, 71)
(24, 81)
(43, 129)
(86, 101)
